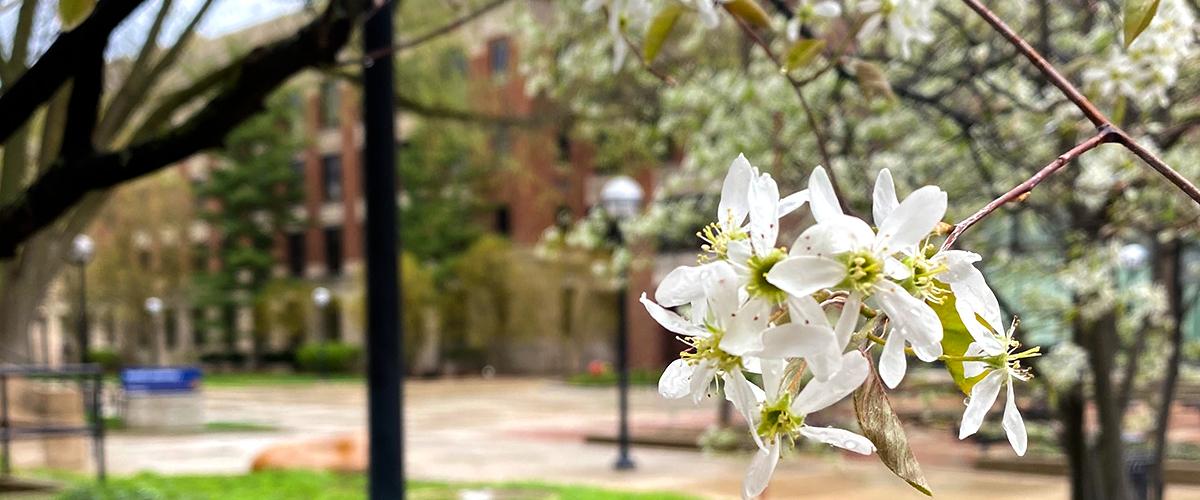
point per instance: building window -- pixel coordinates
(200, 257)
(333, 250)
(454, 63)
(199, 326)
(298, 169)
(502, 141)
(331, 101)
(331, 176)
(297, 258)
(170, 329)
(503, 221)
(498, 56)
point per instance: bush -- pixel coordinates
(328, 357)
(109, 361)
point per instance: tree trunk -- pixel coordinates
(1168, 272)
(1073, 440)
(1099, 338)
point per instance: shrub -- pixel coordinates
(328, 357)
(109, 361)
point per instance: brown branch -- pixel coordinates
(637, 52)
(1108, 131)
(68, 51)
(257, 74)
(1048, 70)
(798, 88)
(1106, 134)
(430, 35)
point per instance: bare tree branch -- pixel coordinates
(256, 75)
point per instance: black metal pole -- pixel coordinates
(623, 460)
(384, 333)
(83, 316)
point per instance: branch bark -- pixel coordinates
(69, 51)
(253, 77)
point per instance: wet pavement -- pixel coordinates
(534, 429)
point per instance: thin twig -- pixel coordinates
(1051, 73)
(798, 87)
(637, 51)
(1108, 130)
(431, 34)
(1106, 135)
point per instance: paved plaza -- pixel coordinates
(534, 429)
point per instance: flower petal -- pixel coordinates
(892, 363)
(983, 396)
(676, 380)
(818, 395)
(683, 285)
(912, 220)
(792, 202)
(821, 196)
(884, 201)
(827, 8)
(672, 322)
(816, 344)
(805, 310)
(772, 376)
(743, 329)
(764, 213)
(1014, 426)
(973, 296)
(841, 233)
(745, 397)
(806, 274)
(762, 466)
(735, 192)
(841, 438)
(702, 379)
(721, 287)
(848, 321)
(910, 316)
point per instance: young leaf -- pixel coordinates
(803, 52)
(955, 340)
(872, 81)
(659, 29)
(73, 12)
(1138, 14)
(879, 423)
(749, 11)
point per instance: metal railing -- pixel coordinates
(91, 382)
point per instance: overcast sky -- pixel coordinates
(223, 17)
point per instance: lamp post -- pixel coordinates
(321, 298)
(621, 198)
(154, 307)
(82, 251)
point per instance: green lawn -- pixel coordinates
(280, 485)
(244, 379)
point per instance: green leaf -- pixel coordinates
(749, 11)
(803, 52)
(73, 12)
(879, 423)
(1138, 14)
(659, 29)
(872, 81)
(955, 340)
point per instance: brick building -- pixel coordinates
(550, 176)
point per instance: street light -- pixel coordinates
(321, 298)
(154, 306)
(1132, 255)
(621, 198)
(82, 251)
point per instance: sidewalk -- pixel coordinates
(533, 429)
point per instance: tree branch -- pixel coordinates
(69, 51)
(256, 75)
(432, 34)
(83, 105)
(1022, 189)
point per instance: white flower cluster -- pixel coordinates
(906, 21)
(1150, 66)
(754, 307)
